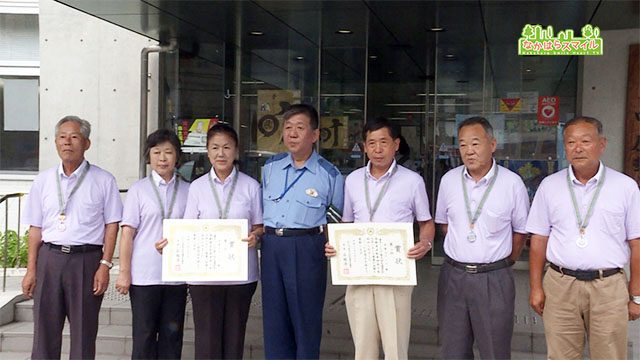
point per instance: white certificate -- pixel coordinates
(372, 254)
(205, 250)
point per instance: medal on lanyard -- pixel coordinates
(288, 187)
(173, 198)
(582, 241)
(62, 205)
(383, 191)
(471, 235)
(223, 213)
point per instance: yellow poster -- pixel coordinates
(271, 105)
(510, 105)
(197, 135)
(334, 132)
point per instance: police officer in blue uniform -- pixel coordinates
(299, 187)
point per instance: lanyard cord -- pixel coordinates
(61, 203)
(223, 213)
(383, 191)
(473, 218)
(173, 198)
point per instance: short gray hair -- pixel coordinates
(584, 119)
(478, 120)
(85, 126)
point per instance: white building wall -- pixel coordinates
(604, 90)
(15, 182)
(91, 68)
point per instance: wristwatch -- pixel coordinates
(635, 299)
(106, 263)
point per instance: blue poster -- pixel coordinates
(531, 171)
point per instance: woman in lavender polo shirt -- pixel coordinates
(157, 307)
(221, 309)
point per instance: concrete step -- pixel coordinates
(256, 355)
(112, 339)
(111, 312)
(114, 342)
(27, 356)
(528, 337)
(259, 354)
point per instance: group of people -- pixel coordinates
(584, 221)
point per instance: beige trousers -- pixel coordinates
(379, 312)
(598, 308)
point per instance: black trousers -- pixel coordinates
(158, 320)
(220, 314)
(475, 307)
(64, 288)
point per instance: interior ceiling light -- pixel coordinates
(299, 58)
(437, 29)
(390, 72)
(527, 70)
(256, 33)
(344, 31)
(449, 57)
(373, 57)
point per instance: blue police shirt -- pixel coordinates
(319, 185)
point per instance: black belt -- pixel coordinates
(584, 275)
(475, 268)
(72, 249)
(292, 232)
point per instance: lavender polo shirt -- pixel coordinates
(94, 204)
(504, 212)
(405, 199)
(142, 212)
(245, 204)
(615, 219)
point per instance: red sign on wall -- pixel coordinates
(548, 112)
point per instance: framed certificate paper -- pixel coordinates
(372, 254)
(205, 250)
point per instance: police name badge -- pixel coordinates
(311, 192)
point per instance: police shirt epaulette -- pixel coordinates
(276, 157)
(328, 167)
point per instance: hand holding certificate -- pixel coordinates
(205, 250)
(372, 254)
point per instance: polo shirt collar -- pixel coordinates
(485, 178)
(76, 173)
(387, 174)
(158, 180)
(216, 179)
(594, 179)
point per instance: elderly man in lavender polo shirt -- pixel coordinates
(483, 211)
(384, 191)
(585, 220)
(73, 211)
